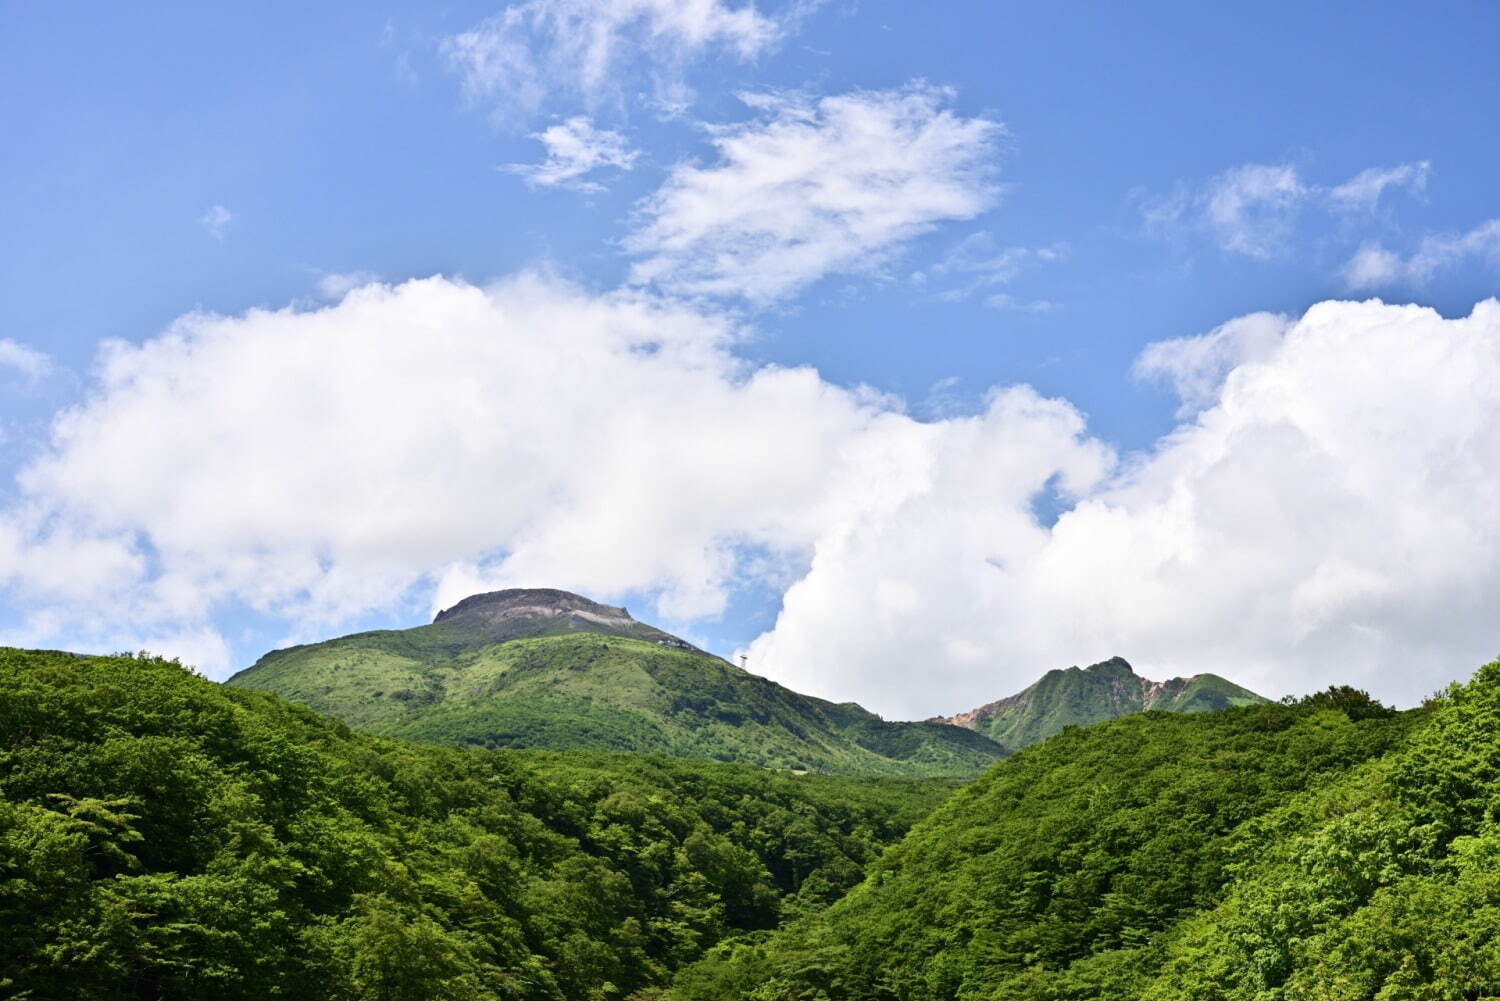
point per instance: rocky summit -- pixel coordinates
(520, 612)
(1081, 696)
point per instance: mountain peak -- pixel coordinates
(1081, 696)
(522, 612)
(519, 602)
(1115, 667)
(541, 667)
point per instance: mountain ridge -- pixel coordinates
(549, 669)
(1077, 696)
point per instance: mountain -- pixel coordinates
(1103, 691)
(551, 669)
(165, 838)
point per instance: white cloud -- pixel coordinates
(1445, 251)
(1330, 518)
(1371, 267)
(1325, 516)
(1195, 367)
(811, 188)
(980, 264)
(217, 221)
(337, 284)
(585, 48)
(1004, 300)
(1252, 208)
(575, 148)
(318, 464)
(1374, 267)
(28, 361)
(1362, 191)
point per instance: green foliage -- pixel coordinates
(165, 838)
(447, 684)
(1352, 702)
(1072, 870)
(162, 837)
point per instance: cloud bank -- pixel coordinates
(1324, 520)
(1323, 513)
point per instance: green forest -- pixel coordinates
(164, 837)
(1330, 849)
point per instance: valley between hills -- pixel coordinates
(538, 797)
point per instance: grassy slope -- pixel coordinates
(583, 690)
(165, 837)
(1084, 696)
(1331, 851)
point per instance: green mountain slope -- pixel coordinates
(1331, 849)
(163, 838)
(1104, 691)
(549, 669)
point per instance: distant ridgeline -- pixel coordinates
(550, 669)
(1080, 697)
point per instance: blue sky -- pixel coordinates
(1097, 178)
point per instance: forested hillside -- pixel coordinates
(1329, 850)
(163, 837)
(548, 669)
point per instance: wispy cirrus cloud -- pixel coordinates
(811, 187)
(1250, 209)
(575, 149)
(1374, 266)
(1363, 191)
(29, 362)
(978, 266)
(216, 221)
(1256, 209)
(588, 50)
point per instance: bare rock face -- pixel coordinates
(521, 612)
(526, 602)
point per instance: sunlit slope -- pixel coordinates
(568, 683)
(1104, 691)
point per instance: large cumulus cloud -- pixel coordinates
(1325, 512)
(1330, 517)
